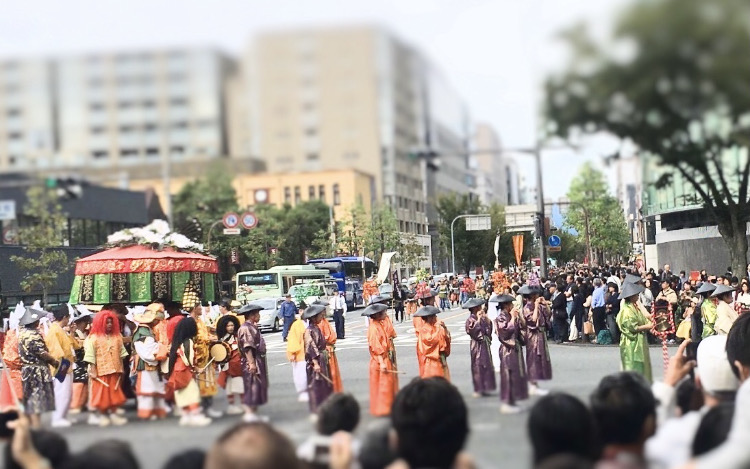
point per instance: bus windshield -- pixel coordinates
(258, 280)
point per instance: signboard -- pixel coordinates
(554, 241)
(7, 209)
(520, 218)
(230, 220)
(249, 220)
(234, 256)
(554, 249)
(385, 266)
(231, 231)
(478, 223)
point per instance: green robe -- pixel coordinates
(708, 313)
(633, 344)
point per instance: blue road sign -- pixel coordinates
(554, 241)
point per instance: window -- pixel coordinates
(322, 192)
(15, 136)
(336, 195)
(287, 195)
(99, 154)
(297, 195)
(13, 112)
(96, 106)
(97, 130)
(311, 132)
(312, 157)
(311, 192)
(151, 151)
(128, 153)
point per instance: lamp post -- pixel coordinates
(208, 237)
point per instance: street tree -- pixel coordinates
(411, 253)
(673, 81)
(382, 233)
(42, 263)
(351, 230)
(571, 248)
(301, 226)
(594, 211)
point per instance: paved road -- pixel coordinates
(494, 438)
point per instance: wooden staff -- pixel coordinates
(324, 377)
(396, 372)
(104, 383)
(207, 365)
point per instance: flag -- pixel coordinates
(518, 248)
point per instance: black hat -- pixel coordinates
(381, 298)
(473, 303)
(31, 316)
(630, 278)
(249, 308)
(528, 290)
(706, 288)
(312, 311)
(630, 289)
(427, 311)
(721, 290)
(500, 299)
(374, 309)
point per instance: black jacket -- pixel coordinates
(559, 305)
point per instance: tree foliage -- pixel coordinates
(43, 263)
(591, 202)
(674, 82)
(381, 234)
(411, 253)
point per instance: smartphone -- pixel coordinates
(5, 417)
(691, 354)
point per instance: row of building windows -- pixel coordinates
(148, 103)
(149, 151)
(403, 202)
(152, 126)
(312, 194)
(76, 232)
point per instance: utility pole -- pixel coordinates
(540, 209)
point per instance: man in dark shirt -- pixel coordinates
(288, 311)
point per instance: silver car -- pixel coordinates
(270, 315)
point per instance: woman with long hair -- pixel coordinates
(182, 374)
(230, 377)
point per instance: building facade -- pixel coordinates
(496, 173)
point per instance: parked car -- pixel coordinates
(386, 289)
(353, 294)
(270, 315)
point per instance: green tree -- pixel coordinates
(673, 81)
(593, 209)
(382, 234)
(410, 253)
(572, 248)
(40, 237)
(301, 227)
(351, 230)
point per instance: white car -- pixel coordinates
(270, 315)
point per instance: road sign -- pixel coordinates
(231, 231)
(478, 223)
(554, 241)
(231, 220)
(249, 220)
(234, 256)
(7, 209)
(554, 249)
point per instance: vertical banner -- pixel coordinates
(234, 256)
(518, 248)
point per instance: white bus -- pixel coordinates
(274, 282)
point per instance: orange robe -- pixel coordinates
(105, 354)
(10, 379)
(432, 344)
(333, 364)
(383, 386)
(417, 322)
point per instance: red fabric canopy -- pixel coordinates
(134, 259)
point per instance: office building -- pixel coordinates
(496, 173)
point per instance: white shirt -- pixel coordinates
(338, 302)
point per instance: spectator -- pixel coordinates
(46, 444)
(190, 459)
(561, 424)
(252, 446)
(339, 413)
(713, 429)
(375, 452)
(431, 423)
(287, 311)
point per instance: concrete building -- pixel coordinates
(497, 179)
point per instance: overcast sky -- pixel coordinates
(494, 53)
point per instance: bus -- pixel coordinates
(274, 282)
(346, 269)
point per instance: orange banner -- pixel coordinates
(518, 247)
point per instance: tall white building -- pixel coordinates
(496, 173)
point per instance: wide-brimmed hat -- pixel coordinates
(706, 288)
(528, 290)
(30, 316)
(630, 289)
(501, 299)
(721, 290)
(473, 303)
(630, 278)
(312, 311)
(374, 309)
(381, 298)
(320, 302)
(235, 304)
(190, 298)
(249, 308)
(427, 311)
(146, 316)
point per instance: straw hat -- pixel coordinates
(427, 311)
(630, 289)
(473, 303)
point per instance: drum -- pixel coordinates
(220, 352)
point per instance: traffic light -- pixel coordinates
(546, 227)
(66, 188)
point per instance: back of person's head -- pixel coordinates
(50, 445)
(565, 461)
(713, 429)
(624, 409)
(713, 370)
(190, 459)
(340, 412)
(61, 312)
(561, 423)
(252, 446)
(688, 396)
(738, 347)
(106, 454)
(431, 423)
(375, 451)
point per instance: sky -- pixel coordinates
(494, 53)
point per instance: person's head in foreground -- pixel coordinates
(738, 347)
(624, 411)
(340, 412)
(561, 424)
(430, 423)
(254, 445)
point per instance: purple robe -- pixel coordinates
(319, 385)
(482, 369)
(538, 363)
(252, 346)
(513, 383)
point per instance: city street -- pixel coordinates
(494, 437)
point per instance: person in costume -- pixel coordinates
(538, 320)
(634, 326)
(725, 313)
(103, 352)
(426, 297)
(149, 355)
(433, 343)
(333, 362)
(79, 332)
(295, 353)
(479, 329)
(175, 314)
(183, 374)
(231, 375)
(254, 366)
(319, 383)
(202, 345)
(38, 392)
(510, 326)
(383, 377)
(708, 309)
(11, 384)
(61, 347)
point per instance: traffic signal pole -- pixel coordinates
(540, 210)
